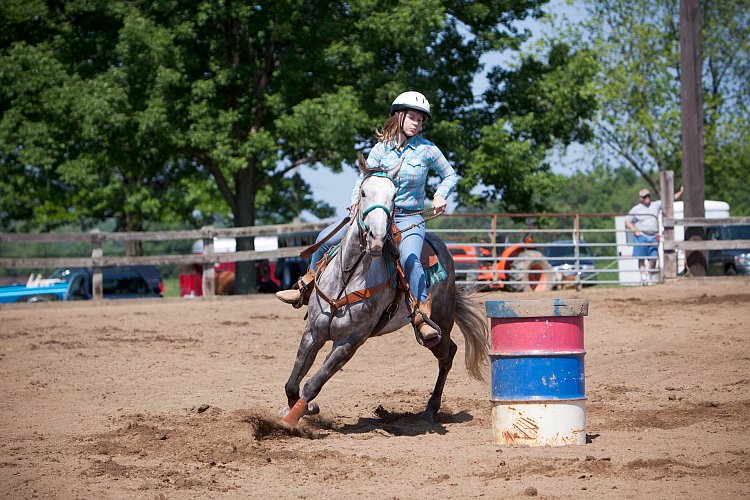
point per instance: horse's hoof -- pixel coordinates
(428, 414)
(432, 343)
(296, 412)
(312, 409)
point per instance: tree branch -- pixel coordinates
(614, 144)
(218, 175)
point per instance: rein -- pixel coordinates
(428, 219)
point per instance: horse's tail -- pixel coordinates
(472, 321)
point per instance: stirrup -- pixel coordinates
(420, 318)
(305, 288)
(427, 342)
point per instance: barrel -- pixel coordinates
(538, 392)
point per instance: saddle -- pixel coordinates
(429, 257)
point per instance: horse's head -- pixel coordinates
(376, 201)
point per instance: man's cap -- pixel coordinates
(644, 192)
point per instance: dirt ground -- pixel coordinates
(177, 399)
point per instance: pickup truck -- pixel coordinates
(75, 284)
(728, 262)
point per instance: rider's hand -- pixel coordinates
(438, 205)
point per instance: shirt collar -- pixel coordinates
(411, 143)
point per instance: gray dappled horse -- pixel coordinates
(362, 262)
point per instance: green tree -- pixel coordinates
(145, 111)
(532, 108)
(86, 131)
(270, 86)
(80, 134)
(726, 78)
(638, 89)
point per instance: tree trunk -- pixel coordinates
(133, 248)
(245, 282)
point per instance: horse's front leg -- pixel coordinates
(309, 347)
(341, 352)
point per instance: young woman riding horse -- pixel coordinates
(399, 149)
(357, 295)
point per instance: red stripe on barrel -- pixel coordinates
(551, 334)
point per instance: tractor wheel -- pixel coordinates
(530, 270)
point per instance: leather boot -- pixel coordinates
(424, 309)
(300, 292)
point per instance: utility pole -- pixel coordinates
(691, 106)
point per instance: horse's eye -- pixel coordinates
(362, 193)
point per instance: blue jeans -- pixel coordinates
(410, 248)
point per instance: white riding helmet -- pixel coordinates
(411, 100)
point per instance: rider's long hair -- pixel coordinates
(391, 128)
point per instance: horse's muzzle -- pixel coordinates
(375, 245)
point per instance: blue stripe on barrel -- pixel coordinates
(539, 377)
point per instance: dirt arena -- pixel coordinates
(176, 399)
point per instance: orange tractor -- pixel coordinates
(515, 264)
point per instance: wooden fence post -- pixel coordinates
(493, 239)
(576, 251)
(96, 266)
(667, 212)
(209, 274)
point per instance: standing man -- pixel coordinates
(644, 224)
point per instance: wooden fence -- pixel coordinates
(669, 222)
(207, 259)
(670, 245)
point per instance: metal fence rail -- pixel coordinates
(509, 251)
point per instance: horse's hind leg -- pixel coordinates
(445, 351)
(309, 347)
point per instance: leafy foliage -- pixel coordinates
(168, 111)
(532, 108)
(638, 90)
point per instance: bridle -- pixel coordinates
(342, 300)
(362, 214)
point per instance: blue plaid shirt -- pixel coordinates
(421, 157)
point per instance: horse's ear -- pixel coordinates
(362, 164)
